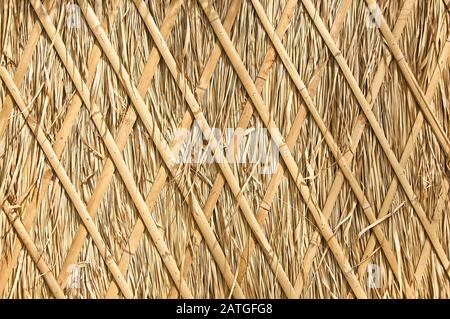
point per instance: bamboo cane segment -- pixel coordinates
(420, 97)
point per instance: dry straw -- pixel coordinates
(354, 95)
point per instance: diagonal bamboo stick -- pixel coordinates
(113, 150)
(284, 150)
(414, 86)
(67, 184)
(355, 138)
(378, 131)
(340, 159)
(22, 233)
(407, 152)
(291, 138)
(121, 139)
(114, 60)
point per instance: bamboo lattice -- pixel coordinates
(354, 94)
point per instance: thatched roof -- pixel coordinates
(354, 94)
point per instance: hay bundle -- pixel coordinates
(352, 98)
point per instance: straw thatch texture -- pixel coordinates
(356, 100)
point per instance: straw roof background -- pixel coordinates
(367, 168)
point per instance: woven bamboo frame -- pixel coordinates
(234, 272)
